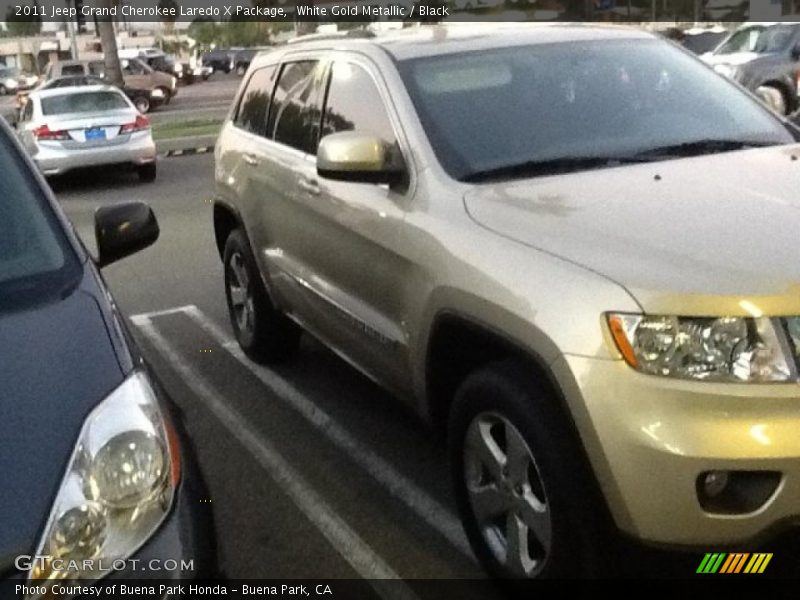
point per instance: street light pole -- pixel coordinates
(73, 43)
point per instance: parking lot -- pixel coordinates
(314, 471)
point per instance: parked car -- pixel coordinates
(90, 126)
(573, 248)
(763, 57)
(143, 100)
(96, 454)
(136, 75)
(221, 59)
(11, 80)
(243, 58)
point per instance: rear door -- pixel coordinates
(276, 161)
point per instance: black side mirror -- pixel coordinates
(122, 230)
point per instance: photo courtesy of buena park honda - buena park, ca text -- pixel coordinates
(397, 299)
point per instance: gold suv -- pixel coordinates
(573, 246)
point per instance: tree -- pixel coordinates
(108, 40)
(203, 31)
(22, 26)
(168, 20)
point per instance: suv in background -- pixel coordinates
(221, 59)
(243, 58)
(136, 74)
(565, 244)
(763, 57)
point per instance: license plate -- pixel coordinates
(96, 133)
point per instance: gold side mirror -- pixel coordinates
(359, 157)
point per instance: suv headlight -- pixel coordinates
(734, 349)
(118, 487)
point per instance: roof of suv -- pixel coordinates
(429, 40)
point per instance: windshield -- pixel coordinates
(9, 72)
(759, 39)
(489, 110)
(35, 258)
(82, 102)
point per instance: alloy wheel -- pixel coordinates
(241, 294)
(507, 496)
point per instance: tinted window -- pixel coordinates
(529, 104)
(295, 110)
(252, 115)
(354, 103)
(83, 102)
(34, 255)
(72, 70)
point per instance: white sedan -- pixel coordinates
(86, 126)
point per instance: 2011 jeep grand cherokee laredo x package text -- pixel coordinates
(574, 245)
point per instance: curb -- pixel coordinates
(186, 151)
(186, 146)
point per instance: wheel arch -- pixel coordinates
(226, 219)
(459, 343)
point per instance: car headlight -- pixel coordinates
(734, 349)
(119, 486)
(11, 83)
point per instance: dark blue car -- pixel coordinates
(97, 476)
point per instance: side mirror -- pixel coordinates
(359, 157)
(122, 230)
(796, 52)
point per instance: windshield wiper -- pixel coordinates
(551, 166)
(700, 147)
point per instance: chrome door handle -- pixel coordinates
(309, 186)
(250, 159)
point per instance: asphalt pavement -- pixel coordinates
(313, 470)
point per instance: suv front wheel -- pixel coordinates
(523, 492)
(264, 333)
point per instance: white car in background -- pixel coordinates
(11, 80)
(87, 126)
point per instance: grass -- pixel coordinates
(177, 129)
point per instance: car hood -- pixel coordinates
(56, 363)
(734, 59)
(694, 235)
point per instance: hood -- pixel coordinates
(56, 363)
(734, 59)
(688, 236)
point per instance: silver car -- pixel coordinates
(87, 126)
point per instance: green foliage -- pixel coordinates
(231, 33)
(21, 26)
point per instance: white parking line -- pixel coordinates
(364, 560)
(401, 487)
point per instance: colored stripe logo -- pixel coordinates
(735, 562)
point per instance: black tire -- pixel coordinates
(263, 332)
(241, 70)
(142, 104)
(147, 173)
(558, 474)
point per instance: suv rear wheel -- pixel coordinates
(264, 333)
(523, 492)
